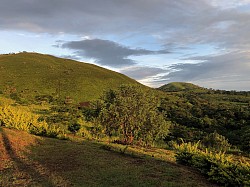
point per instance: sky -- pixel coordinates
(205, 42)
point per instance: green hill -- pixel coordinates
(33, 74)
(180, 86)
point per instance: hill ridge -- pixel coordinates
(180, 86)
(37, 74)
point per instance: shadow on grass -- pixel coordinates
(90, 163)
(21, 164)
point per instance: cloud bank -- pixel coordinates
(176, 26)
(107, 52)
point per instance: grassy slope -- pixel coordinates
(28, 160)
(180, 86)
(33, 73)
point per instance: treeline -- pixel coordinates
(227, 92)
(195, 116)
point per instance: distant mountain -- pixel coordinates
(33, 74)
(180, 86)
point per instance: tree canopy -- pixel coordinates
(131, 113)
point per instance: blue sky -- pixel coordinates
(205, 42)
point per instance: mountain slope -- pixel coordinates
(33, 74)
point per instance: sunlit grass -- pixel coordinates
(30, 74)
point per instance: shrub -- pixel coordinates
(84, 132)
(74, 127)
(84, 129)
(216, 142)
(218, 167)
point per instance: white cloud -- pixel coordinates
(141, 73)
(230, 3)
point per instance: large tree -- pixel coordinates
(131, 112)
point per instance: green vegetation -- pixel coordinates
(28, 160)
(180, 86)
(25, 76)
(218, 167)
(129, 122)
(196, 115)
(79, 164)
(12, 117)
(132, 114)
(219, 121)
(216, 142)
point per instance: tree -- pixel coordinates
(131, 113)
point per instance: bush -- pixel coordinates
(216, 142)
(74, 127)
(84, 132)
(82, 128)
(218, 167)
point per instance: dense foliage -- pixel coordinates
(132, 114)
(197, 114)
(218, 167)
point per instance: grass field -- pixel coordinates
(28, 160)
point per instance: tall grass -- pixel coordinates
(17, 118)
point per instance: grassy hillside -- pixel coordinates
(50, 162)
(180, 86)
(31, 74)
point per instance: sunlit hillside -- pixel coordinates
(31, 74)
